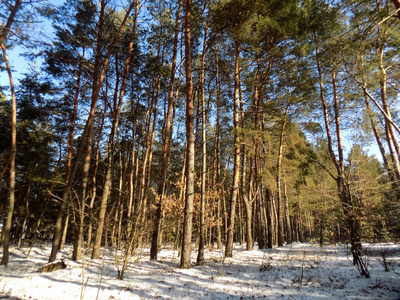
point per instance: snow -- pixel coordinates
(298, 271)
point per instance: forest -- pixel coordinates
(199, 124)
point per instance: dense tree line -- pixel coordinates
(200, 123)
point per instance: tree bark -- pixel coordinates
(236, 163)
(166, 140)
(202, 237)
(278, 180)
(11, 191)
(76, 255)
(246, 187)
(94, 185)
(216, 160)
(352, 218)
(268, 198)
(188, 215)
(150, 158)
(70, 146)
(287, 216)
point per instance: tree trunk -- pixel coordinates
(145, 155)
(188, 215)
(104, 198)
(268, 198)
(351, 214)
(236, 163)
(248, 213)
(202, 237)
(302, 238)
(63, 237)
(150, 158)
(70, 145)
(246, 188)
(26, 216)
(94, 185)
(166, 141)
(11, 191)
(216, 160)
(278, 179)
(391, 138)
(352, 221)
(287, 217)
(259, 223)
(76, 255)
(132, 178)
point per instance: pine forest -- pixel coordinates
(198, 124)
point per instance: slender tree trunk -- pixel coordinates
(302, 238)
(202, 237)
(70, 145)
(166, 141)
(216, 160)
(22, 230)
(269, 218)
(94, 185)
(5, 236)
(236, 164)
(239, 227)
(391, 138)
(64, 232)
(259, 226)
(325, 108)
(391, 134)
(11, 191)
(104, 199)
(224, 200)
(145, 155)
(246, 188)
(150, 159)
(120, 203)
(133, 169)
(182, 194)
(278, 180)
(394, 174)
(352, 220)
(287, 217)
(108, 179)
(352, 217)
(76, 255)
(188, 215)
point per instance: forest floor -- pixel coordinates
(298, 271)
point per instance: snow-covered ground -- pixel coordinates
(298, 271)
